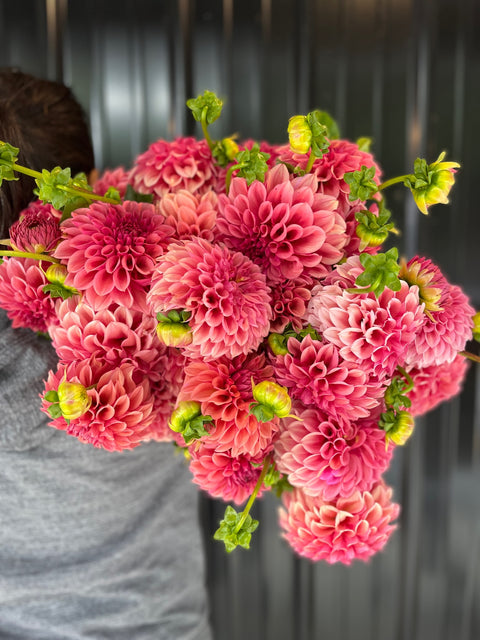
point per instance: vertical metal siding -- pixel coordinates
(407, 73)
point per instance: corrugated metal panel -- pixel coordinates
(406, 72)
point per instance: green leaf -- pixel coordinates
(135, 196)
(253, 164)
(54, 411)
(324, 118)
(51, 396)
(262, 412)
(362, 183)
(48, 187)
(227, 532)
(57, 290)
(207, 105)
(320, 142)
(8, 157)
(394, 394)
(380, 271)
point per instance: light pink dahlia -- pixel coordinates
(316, 374)
(117, 178)
(117, 335)
(449, 317)
(121, 411)
(225, 292)
(21, 294)
(436, 384)
(372, 332)
(331, 457)
(224, 389)
(184, 163)
(341, 530)
(37, 229)
(110, 252)
(190, 215)
(222, 475)
(283, 225)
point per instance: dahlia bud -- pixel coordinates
(431, 184)
(188, 420)
(271, 400)
(173, 329)
(73, 399)
(36, 231)
(278, 344)
(476, 326)
(299, 134)
(398, 426)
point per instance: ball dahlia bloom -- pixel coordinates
(222, 475)
(316, 374)
(223, 388)
(331, 457)
(372, 332)
(436, 384)
(289, 303)
(120, 414)
(110, 252)
(184, 163)
(449, 317)
(341, 530)
(116, 336)
(37, 229)
(223, 290)
(190, 215)
(283, 225)
(21, 294)
(117, 178)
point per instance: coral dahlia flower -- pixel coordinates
(315, 373)
(224, 389)
(184, 163)
(117, 178)
(21, 294)
(283, 225)
(331, 457)
(110, 252)
(372, 332)
(222, 475)
(436, 384)
(190, 215)
(341, 530)
(120, 414)
(223, 290)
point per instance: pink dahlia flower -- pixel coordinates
(436, 384)
(331, 457)
(449, 317)
(184, 163)
(372, 332)
(37, 230)
(345, 273)
(224, 389)
(121, 411)
(21, 294)
(117, 178)
(316, 374)
(190, 215)
(110, 252)
(341, 530)
(225, 292)
(117, 335)
(289, 303)
(283, 225)
(223, 475)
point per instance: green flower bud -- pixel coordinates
(398, 426)
(271, 400)
(188, 420)
(431, 184)
(476, 326)
(299, 134)
(73, 399)
(174, 334)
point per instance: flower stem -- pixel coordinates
(311, 160)
(25, 170)
(228, 177)
(25, 254)
(470, 356)
(203, 122)
(251, 500)
(388, 183)
(408, 378)
(88, 195)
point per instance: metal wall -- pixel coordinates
(405, 72)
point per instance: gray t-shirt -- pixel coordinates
(93, 544)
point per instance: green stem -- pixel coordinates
(203, 122)
(470, 356)
(251, 500)
(311, 160)
(408, 378)
(228, 177)
(25, 170)
(25, 254)
(88, 195)
(388, 183)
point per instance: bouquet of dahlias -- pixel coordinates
(234, 298)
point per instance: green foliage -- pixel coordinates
(324, 118)
(252, 164)
(207, 107)
(362, 185)
(373, 229)
(49, 187)
(316, 122)
(233, 532)
(8, 157)
(174, 316)
(262, 412)
(380, 271)
(57, 290)
(395, 397)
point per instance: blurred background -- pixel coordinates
(407, 74)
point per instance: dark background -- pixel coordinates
(407, 74)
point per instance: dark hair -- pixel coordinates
(49, 126)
